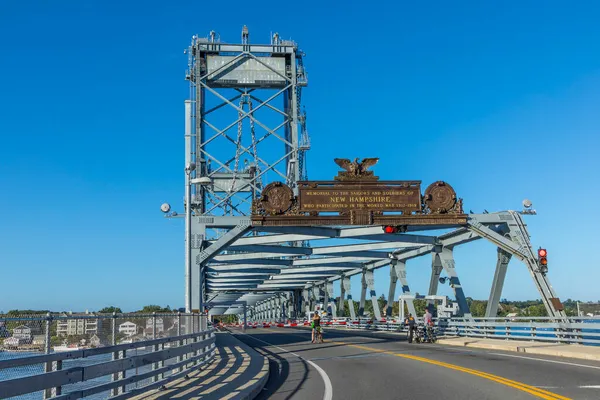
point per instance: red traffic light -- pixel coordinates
(390, 229)
(542, 253)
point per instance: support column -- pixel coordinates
(279, 309)
(446, 257)
(498, 283)
(305, 295)
(273, 309)
(196, 279)
(363, 295)
(391, 291)
(329, 291)
(342, 297)
(400, 269)
(316, 295)
(325, 298)
(436, 270)
(347, 289)
(370, 281)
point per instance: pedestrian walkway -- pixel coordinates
(237, 372)
(523, 346)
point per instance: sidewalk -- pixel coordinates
(237, 372)
(522, 346)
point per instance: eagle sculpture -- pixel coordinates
(354, 167)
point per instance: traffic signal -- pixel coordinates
(543, 260)
(394, 228)
(390, 229)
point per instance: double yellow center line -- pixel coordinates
(540, 393)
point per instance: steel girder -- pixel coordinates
(264, 262)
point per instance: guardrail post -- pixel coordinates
(115, 356)
(198, 337)
(154, 365)
(49, 366)
(180, 343)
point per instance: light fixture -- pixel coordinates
(203, 180)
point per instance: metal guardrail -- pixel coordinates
(585, 331)
(116, 370)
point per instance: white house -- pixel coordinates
(160, 325)
(128, 328)
(23, 332)
(13, 342)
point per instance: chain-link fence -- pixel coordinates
(81, 339)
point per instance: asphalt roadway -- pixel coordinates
(366, 365)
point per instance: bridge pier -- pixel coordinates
(325, 297)
(370, 281)
(316, 293)
(445, 256)
(391, 291)
(436, 270)
(331, 299)
(342, 296)
(498, 283)
(363, 295)
(347, 288)
(399, 268)
(306, 296)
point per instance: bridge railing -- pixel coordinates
(583, 330)
(99, 355)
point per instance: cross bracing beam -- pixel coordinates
(351, 259)
(298, 234)
(239, 279)
(310, 261)
(234, 271)
(356, 250)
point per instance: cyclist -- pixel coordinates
(316, 326)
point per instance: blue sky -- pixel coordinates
(500, 101)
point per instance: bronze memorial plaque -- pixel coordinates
(357, 197)
(405, 197)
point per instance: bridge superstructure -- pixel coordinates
(282, 271)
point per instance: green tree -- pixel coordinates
(110, 310)
(149, 309)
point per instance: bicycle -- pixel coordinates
(318, 335)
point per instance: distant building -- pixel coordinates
(22, 332)
(128, 328)
(95, 341)
(39, 339)
(160, 326)
(13, 342)
(78, 326)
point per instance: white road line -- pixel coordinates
(549, 361)
(590, 387)
(328, 395)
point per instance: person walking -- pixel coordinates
(410, 322)
(428, 322)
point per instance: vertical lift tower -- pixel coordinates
(243, 126)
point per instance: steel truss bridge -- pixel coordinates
(244, 126)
